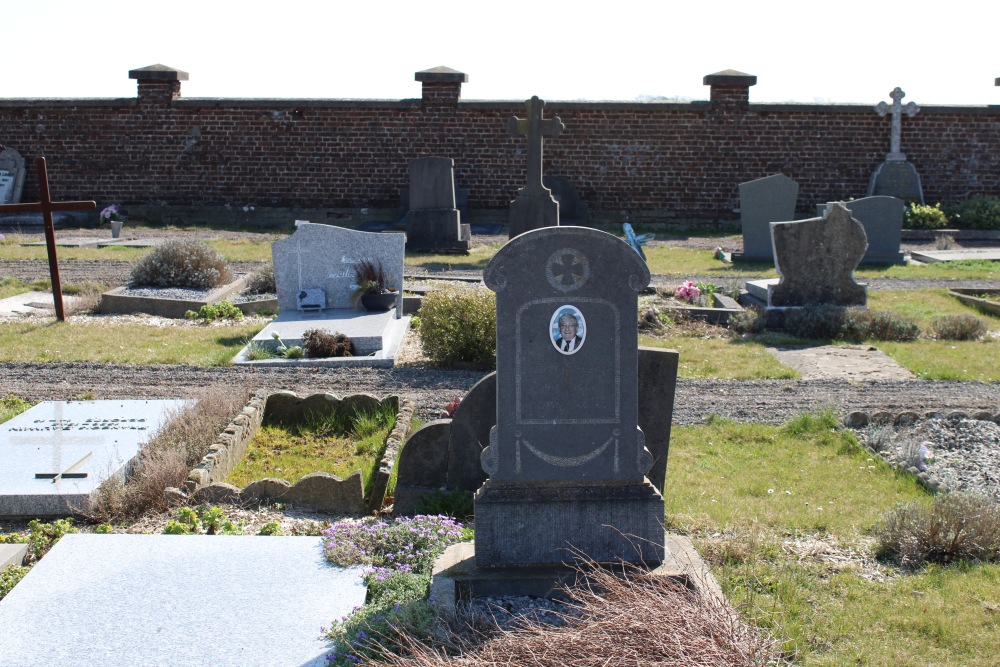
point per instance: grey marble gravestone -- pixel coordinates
(11, 176)
(882, 218)
(323, 256)
(85, 442)
(816, 259)
(534, 207)
(566, 460)
(763, 201)
(126, 600)
(433, 223)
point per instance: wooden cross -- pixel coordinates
(46, 206)
(897, 110)
(534, 127)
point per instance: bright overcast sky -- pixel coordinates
(846, 51)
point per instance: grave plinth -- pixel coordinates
(566, 461)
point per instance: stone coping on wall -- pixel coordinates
(858, 420)
(319, 491)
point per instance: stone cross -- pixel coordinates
(897, 110)
(46, 207)
(534, 127)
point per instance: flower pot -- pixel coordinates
(379, 302)
(116, 228)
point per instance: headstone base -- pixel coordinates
(529, 212)
(437, 230)
(548, 523)
(745, 258)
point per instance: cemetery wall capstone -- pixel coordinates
(663, 160)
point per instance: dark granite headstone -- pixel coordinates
(422, 465)
(763, 201)
(534, 207)
(882, 218)
(657, 382)
(816, 259)
(11, 176)
(470, 433)
(566, 461)
(897, 179)
(572, 211)
(433, 222)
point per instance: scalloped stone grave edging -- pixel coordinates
(319, 491)
(858, 419)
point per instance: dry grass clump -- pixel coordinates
(181, 263)
(319, 344)
(169, 456)
(638, 619)
(956, 526)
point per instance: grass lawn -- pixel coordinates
(34, 341)
(338, 445)
(729, 359)
(785, 516)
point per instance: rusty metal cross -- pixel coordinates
(46, 207)
(534, 127)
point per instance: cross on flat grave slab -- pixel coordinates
(897, 110)
(534, 207)
(46, 207)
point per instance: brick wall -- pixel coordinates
(654, 161)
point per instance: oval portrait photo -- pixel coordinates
(567, 329)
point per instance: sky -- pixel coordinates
(847, 51)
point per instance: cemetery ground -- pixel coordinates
(785, 508)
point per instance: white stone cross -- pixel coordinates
(535, 128)
(897, 110)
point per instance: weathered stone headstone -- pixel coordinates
(56, 453)
(433, 223)
(566, 461)
(763, 201)
(11, 176)
(896, 177)
(816, 259)
(323, 256)
(534, 207)
(882, 218)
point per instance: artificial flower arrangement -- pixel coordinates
(111, 214)
(687, 291)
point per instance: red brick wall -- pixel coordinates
(655, 161)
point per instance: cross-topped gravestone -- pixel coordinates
(567, 462)
(11, 175)
(896, 128)
(46, 207)
(534, 206)
(896, 177)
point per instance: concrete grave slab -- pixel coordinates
(841, 362)
(57, 452)
(932, 256)
(73, 242)
(134, 243)
(181, 600)
(12, 554)
(33, 303)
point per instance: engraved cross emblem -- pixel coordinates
(897, 110)
(567, 269)
(534, 127)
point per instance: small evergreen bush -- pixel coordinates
(889, 325)
(181, 263)
(750, 320)
(224, 310)
(956, 526)
(924, 216)
(980, 212)
(460, 325)
(262, 282)
(959, 327)
(820, 322)
(850, 324)
(319, 344)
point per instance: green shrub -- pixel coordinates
(821, 322)
(202, 520)
(889, 325)
(262, 282)
(11, 406)
(850, 324)
(460, 325)
(9, 576)
(924, 216)
(959, 327)
(980, 212)
(456, 503)
(956, 526)
(224, 310)
(750, 320)
(319, 344)
(182, 263)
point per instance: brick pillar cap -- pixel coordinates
(158, 73)
(730, 77)
(441, 74)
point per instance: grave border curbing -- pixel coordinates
(319, 491)
(857, 420)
